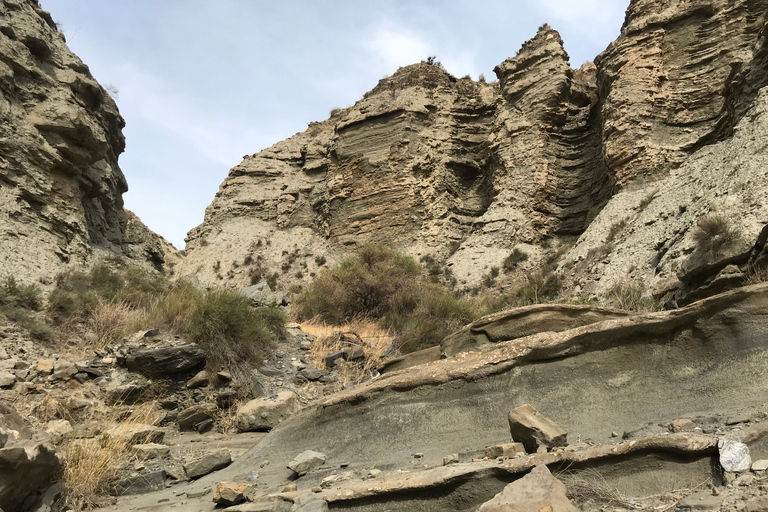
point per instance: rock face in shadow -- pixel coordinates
(60, 136)
(465, 171)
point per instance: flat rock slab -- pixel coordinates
(136, 434)
(166, 360)
(530, 427)
(525, 321)
(141, 484)
(208, 464)
(535, 492)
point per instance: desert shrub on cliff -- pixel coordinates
(714, 233)
(20, 303)
(384, 285)
(234, 334)
(514, 259)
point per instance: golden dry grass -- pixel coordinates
(92, 465)
(375, 342)
(110, 322)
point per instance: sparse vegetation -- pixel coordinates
(514, 259)
(615, 230)
(320, 261)
(714, 233)
(432, 61)
(114, 303)
(20, 303)
(390, 288)
(631, 296)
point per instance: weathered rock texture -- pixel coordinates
(60, 136)
(466, 171)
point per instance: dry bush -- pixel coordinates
(375, 341)
(714, 233)
(756, 275)
(514, 259)
(92, 465)
(111, 322)
(631, 296)
(589, 486)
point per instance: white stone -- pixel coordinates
(734, 456)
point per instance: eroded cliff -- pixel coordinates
(60, 136)
(465, 171)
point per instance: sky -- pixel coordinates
(202, 83)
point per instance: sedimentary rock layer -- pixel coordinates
(465, 171)
(60, 136)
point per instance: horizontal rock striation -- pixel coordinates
(465, 171)
(60, 136)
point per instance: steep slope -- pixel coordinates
(60, 136)
(466, 171)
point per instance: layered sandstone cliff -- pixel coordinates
(466, 171)
(60, 136)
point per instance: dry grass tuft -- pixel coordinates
(92, 465)
(756, 275)
(589, 486)
(374, 342)
(110, 322)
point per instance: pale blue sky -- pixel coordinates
(202, 83)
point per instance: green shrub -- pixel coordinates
(233, 334)
(714, 233)
(514, 259)
(13, 294)
(386, 286)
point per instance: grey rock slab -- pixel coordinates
(734, 456)
(140, 484)
(530, 427)
(150, 451)
(166, 360)
(208, 464)
(306, 461)
(25, 471)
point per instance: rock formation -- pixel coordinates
(465, 171)
(60, 136)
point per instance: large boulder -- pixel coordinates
(534, 430)
(265, 413)
(261, 294)
(166, 360)
(25, 473)
(536, 491)
(525, 321)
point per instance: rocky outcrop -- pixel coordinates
(524, 321)
(60, 136)
(466, 171)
